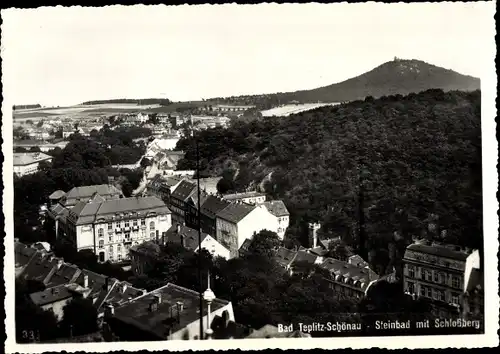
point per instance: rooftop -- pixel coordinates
(235, 196)
(23, 254)
(235, 212)
(213, 205)
(190, 236)
(57, 194)
(343, 271)
(85, 192)
(440, 250)
(28, 158)
(49, 296)
(284, 256)
(277, 208)
(62, 274)
(165, 317)
(183, 190)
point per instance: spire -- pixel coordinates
(209, 296)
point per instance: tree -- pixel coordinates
(225, 186)
(339, 250)
(79, 317)
(264, 243)
(145, 162)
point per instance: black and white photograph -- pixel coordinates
(250, 176)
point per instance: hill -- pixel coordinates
(395, 77)
(420, 155)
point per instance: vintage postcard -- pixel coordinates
(250, 176)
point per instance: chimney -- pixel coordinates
(180, 307)
(111, 309)
(124, 288)
(59, 263)
(157, 298)
(178, 230)
(85, 281)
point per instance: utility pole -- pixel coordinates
(199, 234)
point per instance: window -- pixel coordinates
(152, 225)
(143, 221)
(135, 222)
(110, 226)
(455, 282)
(455, 299)
(422, 290)
(101, 243)
(428, 292)
(110, 238)
(152, 235)
(127, 236)
(111, 250)
(119, 248)
(411, 271)
(127, 223)
(411, 288)
(440, 295)
(436, 277)
(101, 232)
(119, 257)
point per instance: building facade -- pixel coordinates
(110, 227)
(282, 215)
(239, 222)
(435, 271)
(26, 163)
(246, 197)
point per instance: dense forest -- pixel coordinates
(25, 106)
(395, 77)
(418, 158)
(145, 101)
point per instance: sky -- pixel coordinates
(64, 56)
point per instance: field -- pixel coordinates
(288, 109)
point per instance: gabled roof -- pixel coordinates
(194, 198)
(96, 282)
(57, 194)
(23, 254)
(251, 194)
(190, 236)
(87, 191)
(277, 208)
(235, 212)
(39, 268)
(304, 256)
(121, 292)
(213, 205)
(64, 274)
(284, 256)
(184, 190)
(246, 245)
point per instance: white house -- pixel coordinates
(281, 214)
(239, 221)
(26, 163)
(252, 197)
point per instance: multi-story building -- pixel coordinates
(110, 227)
(162, 186)
(252, 197)
(144, 257)
(209, 210)
(178, 199)
(239, 222)
(473, 295)
(168, 313)
(282, 215)
(435, 271)
(192, 215)
(26, 163)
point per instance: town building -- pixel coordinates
(239, 221)
(192, 217)
(84, 193)
(282, 215)
(473, 295)
(168, 313)
(228, 108)
(55, 299)
(209, 210)
(436, 271)
(162, 186)
(144, 257)
(110, 227)
(26, 163)
(352, 279)
(178, 199)
(188, 238)
(252, 197)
